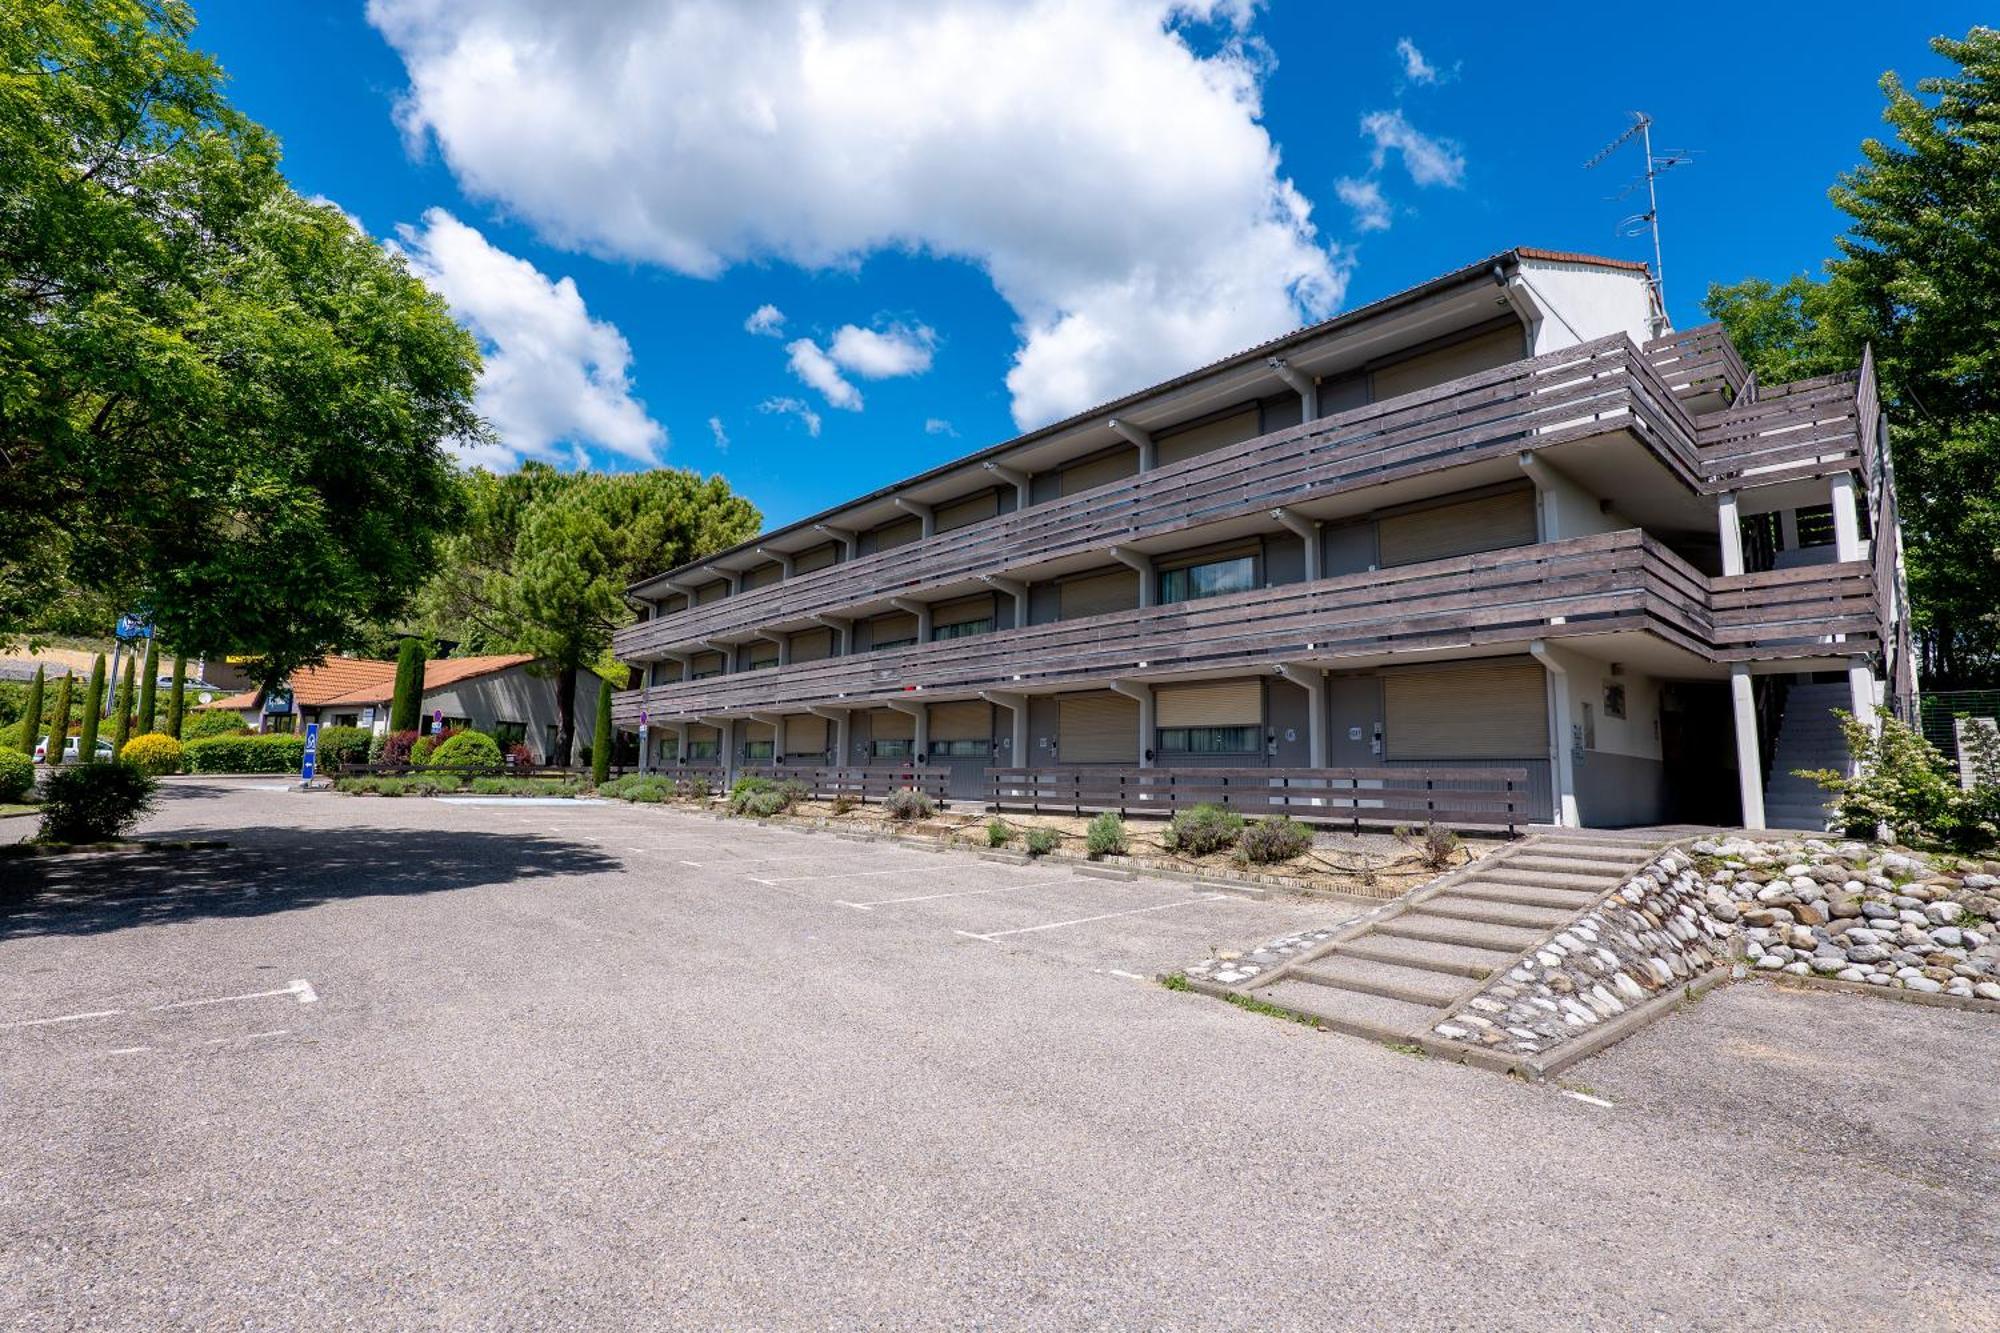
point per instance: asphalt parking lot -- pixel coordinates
(440, 1064)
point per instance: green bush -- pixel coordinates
(468, 749)
(1105, 835)
(1277, 838)
(94, 802)
(344, 745)
(1203, 829)
(17, 776)
(843, 802)
(154, 753)
(1905, 783)
(245, 754)
(744, 788)
(907, 804)
(762, 804)
(642, 788)
(794, 792)
(697, 788)
(426, 745)
(523, 787)
(1042, 841)
(205, 722)
(997, 832)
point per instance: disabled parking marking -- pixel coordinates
(1086, 920)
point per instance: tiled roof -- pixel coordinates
(438, 673)
(1578, 257)
(362, 680)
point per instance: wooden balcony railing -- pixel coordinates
(1698, 361)
(1453, 797)
(1547, 400)
(1811, 429)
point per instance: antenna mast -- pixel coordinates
(1641, 128)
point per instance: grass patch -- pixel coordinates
(1269, 1010)
(1406, 1048)
(1176, 981)
(10, 808)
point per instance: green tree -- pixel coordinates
(177, 697)
(1917, 274)
(31, 712)
(93, 713)
(222, 404)
(121, 722)
(59, 724)
(406, 701)
(600, 738)
(149, 687)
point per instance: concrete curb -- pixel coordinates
(1105, 872)
(1793, 981)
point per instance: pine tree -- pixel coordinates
(600, 739)
(92, 713)
(406, 705)
(177, 697)
(121, 724)
(148, 688)
(59, 724)
(31, 716)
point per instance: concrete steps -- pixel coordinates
(1417, 924)
(1412, 985)
(1808, 738)
(1577, 865)
(1537, 916)
(1376, 1017)
(1547, 879)
(1525, 895)
(1456, 960)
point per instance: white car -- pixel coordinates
(71, 750)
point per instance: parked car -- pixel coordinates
(71, 750)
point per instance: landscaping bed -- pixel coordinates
(447, 785)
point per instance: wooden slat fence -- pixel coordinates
(1697, 361)
(1811, 431)
(1785, 613)
(864, 783)
(1454, 797)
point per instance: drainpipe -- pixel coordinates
(1141, 691)
(1139, 560)
(1307, 530)
(1013, 588)
(1562, 762)
(1312, 680)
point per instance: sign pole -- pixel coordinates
(311, 760)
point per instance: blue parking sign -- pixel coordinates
(312, 752)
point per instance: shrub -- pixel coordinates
(1042, 841)
(794, 792)
(523, 787)
(17, 775)
(1278, 838)
(1203, 829)
(997, 832)
(396, 747)
(424, 746)
(468, 749)
(842, 803)
(94, 802)
(744, 789)
(762, 804)
(343, 745)
(518, 755)
(245, 754)
(908, 804)
(1905, 783)
(697, 789)
(643, 788)
(1105, 835)
(1435, 846)
(205, 722)
(154, 753)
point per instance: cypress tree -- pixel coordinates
(92, 713)
(31, 716)
(177, 697)
(600, 739)
(59, 724)
(121, 726)
(406, 705)
(149, 688)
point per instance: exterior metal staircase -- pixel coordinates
(1808, 738)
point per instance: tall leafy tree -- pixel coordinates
(121, 718)
(93, 713)
(31, 712)
(406, 699)
(59, 722)
(221, 404)
(600, 738)
(149, 687)
(177, 697)
(1917, 274)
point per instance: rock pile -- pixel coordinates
(1858, 913)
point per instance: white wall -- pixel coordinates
(1580, 302)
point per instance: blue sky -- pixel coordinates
(974, 216)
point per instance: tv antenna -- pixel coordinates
(1638, 224)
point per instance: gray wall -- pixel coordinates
(516, 695)
(1620, 789)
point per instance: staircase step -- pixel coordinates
(1456, 960)
(1573, 845)
(1373, 1016)
(1461, 908)
(1578, 865)
(1554, 879)
(1526, 895)
(1390, 980)
(1417, 925)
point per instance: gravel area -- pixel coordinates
(553, 1075)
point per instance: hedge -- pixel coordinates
(154, 753)
(17, 775)
(468, 749)
(246, 754)
(206, 722)
(343, 745)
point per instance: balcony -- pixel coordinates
(1615, 583)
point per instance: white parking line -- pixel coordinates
(799, 879)
(1586, 1097)
(62, 1018)
(248, 1036)
(1086, 920)
(301, 990)
(963, 893)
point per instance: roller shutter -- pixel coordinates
(1473, 710)
(805, 734)
(1097, 729)
(812, 645)
(1100, 471)
(961, 512)
(763, 576)
(886, 724)
(759, 731)
(898, 534)
(1209, 435)
(1483, 352)
(1209, 703)
(818, 558)
(970, 720)
(678, 602)
(960, 613)
(890, 629)
(710, 592)
(1100, 594)
(697, 734)
(1485, 524)
(705, 664)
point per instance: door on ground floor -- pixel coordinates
(1698, 750)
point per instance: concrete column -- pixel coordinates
(1307, 531)
(1141, 691)
(1846, 519)
(1861, 691)
(1313, 681)
(1017, 709)
(1730, 528)
(730, 763)
(1749, 758)
(784, 642)
(921, 610)
(1562, 756)
(1142, 440)
(922, 746)
(1788, 528)
(926, 515)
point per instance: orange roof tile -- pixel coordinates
(361, 680)
(438, 673)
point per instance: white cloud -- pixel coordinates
(939, 426)
(792, 407)
(1364, 196)
(878, 354)
(766, 321)
(1430, 161)
(555, 379)
(702, 134)
(816, 368)
(321, 201)
(1417, 69)
(718, 434)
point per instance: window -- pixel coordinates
(959, 749)
(281, 723)
(704, 749)
(1614, 700)
(1209, 740)
(891, 643)
(759, 663)
(757, 749)
(704, 675)
(346, 719)
(510, 733)
(1215, 579)
(554, 732)
(890, 749)
(963, 629)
